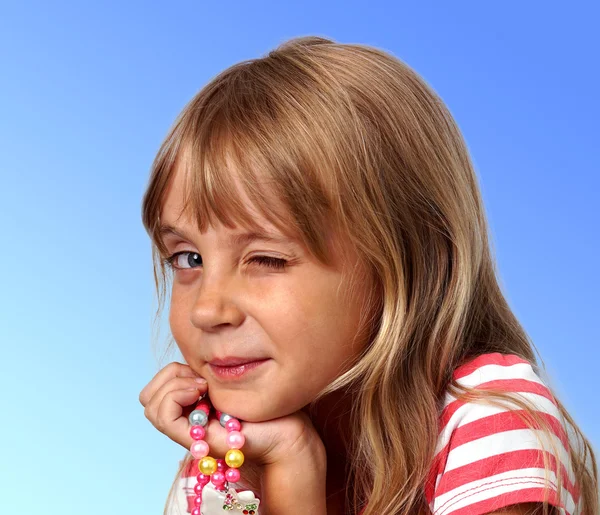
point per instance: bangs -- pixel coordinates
(220, 180)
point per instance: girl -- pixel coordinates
(322, 220)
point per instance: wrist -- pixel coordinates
(296, 484)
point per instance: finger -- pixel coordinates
(169, 419)
(259, 438)
(174, 369)
(216, 438)
(176, 383)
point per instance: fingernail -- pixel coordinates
(200, 380)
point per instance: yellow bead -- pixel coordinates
(234, 458)
(207, 465)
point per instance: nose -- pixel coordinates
(215, 304)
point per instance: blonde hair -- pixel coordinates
(348, 134)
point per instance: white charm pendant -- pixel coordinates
(215, 502)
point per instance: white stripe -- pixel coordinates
(507, 441)
(492, 486)
(187, 484)
(472, 411)
(492, 372)
(487, 373)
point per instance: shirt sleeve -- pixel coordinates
(488, 457)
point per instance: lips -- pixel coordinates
(237, 369)
(232, 361)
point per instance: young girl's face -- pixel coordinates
(225, 303)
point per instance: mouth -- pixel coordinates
(235, 368)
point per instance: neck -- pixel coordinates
(331, 419)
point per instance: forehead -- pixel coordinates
(174, 215)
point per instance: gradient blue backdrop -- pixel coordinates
(88, 91)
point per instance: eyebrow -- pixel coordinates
(234, 239)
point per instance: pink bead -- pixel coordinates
(235, 440)
(233, 424)
(221, 465)
(198, 500)
(218, 414)
(202, 479)
(197, 432)
(196, 511)
(198, 488)
(204, 406)
(199, 449)
(218, 478)
(232, 475)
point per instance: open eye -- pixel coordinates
(175, 262)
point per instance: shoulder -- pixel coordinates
(490, 456)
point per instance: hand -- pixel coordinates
(275, 450)
(281, 456)
(169, 398)
(171, 395)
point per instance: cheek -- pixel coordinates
(317, 347)
(179, 322)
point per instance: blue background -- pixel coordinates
(88, 91)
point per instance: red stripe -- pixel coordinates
(505, 385)
(506, 499)
(518, 385)
(430, 483)
(504, 421)
(449, 411)
(492, 358)
(190, 503)
(431, 478)
(191, 469)
(497, 464)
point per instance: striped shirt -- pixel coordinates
(487, 457)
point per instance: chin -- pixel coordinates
(245, 405)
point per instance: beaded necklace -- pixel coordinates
(213, 493)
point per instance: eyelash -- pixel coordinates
(268, 261)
